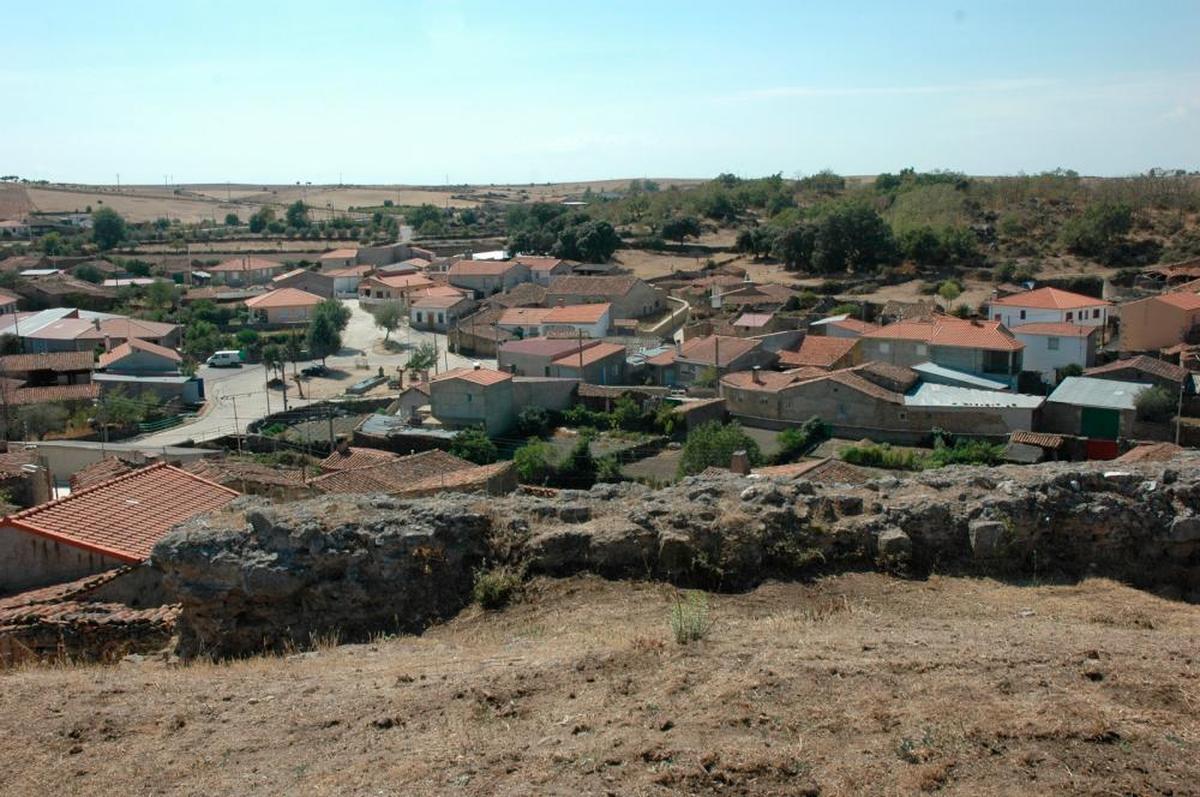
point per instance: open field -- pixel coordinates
(144, 206)
(852, 685)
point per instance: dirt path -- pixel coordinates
(853, 685)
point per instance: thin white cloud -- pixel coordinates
(983, 86)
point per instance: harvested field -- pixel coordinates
(854, 685)
(144, 206)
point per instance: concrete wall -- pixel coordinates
(311, 281)
(1012, 316)
(1039, 357)
(30, 560)
(460, 403)
(1062, 418)
(1151, 324)
(143, 362)
(65, 458)
(550, 394)
(288, 315)
(607, 371)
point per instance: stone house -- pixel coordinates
(486, 277)
(439, 309)
(1158, 322)
(983, 348)
(284, 306)
(245, 271)
(687, 362)
(315, 282)
(392, 288)
(474, 397)
(629, 296)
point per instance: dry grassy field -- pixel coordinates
(851, 685)
(144, 205)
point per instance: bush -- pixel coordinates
(1155, 404)
(713, 444)
(532, 462)
(794, 442)
(871, 455)
(689, 617)
(496, 588)
(534, 422)
(965, 452)
(475, 446)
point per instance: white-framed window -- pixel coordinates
(884, 347)
(1052, 344)
(922, 350)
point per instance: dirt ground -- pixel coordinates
(852, 685)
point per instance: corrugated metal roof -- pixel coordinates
(1085, 391)
(934, 371)
(928, 394)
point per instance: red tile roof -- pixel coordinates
(854, 325)
(1049, 299)
(354, 458)
(338, 254)
(591, 354)
(942, 330)
(1039, 439)
(828, 470)
(50, 361)
(134, 344)
(753, 320)
(235, 473)
(466, 479)
(22, 396)
(1182, 300)
(482, 268)
(244, 264)
(1059, 329)
(575, 285)
(403, 280)
(391, 476)
(284, 297)
(704, 351)
(1144, 364)
(770, 381)
(437, 301)
(577, 313)
(124, 517)
(480, 376)
(819, 351)
(548, 347)
(524, 316)
(539, 263)
(135, 328)
(102, 471)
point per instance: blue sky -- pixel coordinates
(533, 90)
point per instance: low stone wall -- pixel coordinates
(258, 575)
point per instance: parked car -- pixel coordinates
(225, 359)
(316, 369)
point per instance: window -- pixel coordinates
(441, 318)
(884, 347)
(1022, 315)
(1052, 344)
(1096, 313)
(1070, 316)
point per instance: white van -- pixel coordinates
(225, 359)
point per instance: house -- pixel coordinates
(117, 329)
(1157, 322)
(984, 348)
(841, 326)
(750, 298)
(338, 259)
(474, 397)
(53, 368)
(598, 364)
(352, 458)
(1050, 346)
(392, 288)
(8, 302)
(140, 357)
(1049, 306)
(630, 297)
(584, 320)
(1145, 369)
(346, 280)
(14, 228)
(1101, 409)
(410, 400)
(498, 478)
(392, 475)
(169, 387)
(524, 322)
(542, 270)
(821, 351)
(486, 277)
(748, 324)
(284, 306)
(409, 266)
(56, 289)
(876, 400)
(687, 362)
(533, 356)
(251, 478)
(110, 524)
(527, 294)
(245, 270)
(479, 333)
(439, 308)
(315, 282)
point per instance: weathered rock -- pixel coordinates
(1185, 529)
(894, 543)
(986, 537)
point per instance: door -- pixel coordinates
(1102, 423)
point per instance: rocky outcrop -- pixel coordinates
(260, 574)
(257, 576)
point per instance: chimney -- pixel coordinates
(107, 344)
(756, 375)
(679, 347)
(739, 463)
(476, 365)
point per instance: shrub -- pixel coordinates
(608, 469)
(965, 452)
(871, 455)
(534, 422)
(475, 446)
(1155, 404)
(689, 617)
(532, 462)
(713, 444)
(949, 290)
(797, 441)
(496, 588)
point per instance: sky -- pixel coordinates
(471, 91)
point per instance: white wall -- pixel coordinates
(1010, 316)
(1072, 349)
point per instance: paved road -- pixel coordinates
(237, 396)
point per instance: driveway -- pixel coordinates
(237, 396)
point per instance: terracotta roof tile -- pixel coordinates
(704, 351)
(50, 361)
(1061, 329)
(284, 297)
(524, 316)
(125, 517)
(1039, 439)
(244, 264)
(130, 328)
(391, 476)
(820, 351)
(1145, 364)
(233, 473)
(354, 458)
(134, 344)
(590, 355)
(482, 268)
(770, 381)
(101, 471)
(577, 313)
(22, 396)
(463, 480)
(828, 471)
(338, 254)
(941, 330)
(854, 325)
(1049, 299)
(402, 281)
(1184, 301)
(480, 376)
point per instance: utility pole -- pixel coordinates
(330, 415)
(236, 425)
(267, 384)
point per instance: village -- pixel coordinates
(137, 400)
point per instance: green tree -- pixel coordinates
(579, 468)
(680, 227)
(475, 446)
(713, 444)
(422, 358)
(262, 219)
(387, 317)
(232, 220)
(532, 462)
(337, 313)
(52, 245)
(9, 344)
(39, 419)
(795, 244)
(1098, 231)
(949, 290)
(323, 336)
(200, 339)
(534, 421)
(424, 214)
(272, 357)
(1155, 404)
(852, 238)
(108, 228)
(297, 214)
(795, 442)
(89, 273)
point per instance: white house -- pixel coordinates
(1049, 306)
(1052, 346)
(586, 320)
